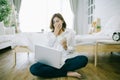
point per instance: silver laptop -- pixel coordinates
(48, 56)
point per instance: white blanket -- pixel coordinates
(91, 38)
(29, 39)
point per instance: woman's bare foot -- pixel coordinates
(74, 74)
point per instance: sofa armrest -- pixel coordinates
(2, 30)
(10, 30)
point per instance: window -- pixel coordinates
(35, 15)
(91, 9)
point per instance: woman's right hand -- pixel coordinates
(57, 30)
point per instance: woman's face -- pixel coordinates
(57, 22)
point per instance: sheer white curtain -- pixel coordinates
(36, 14)
(74, 6)
(17, 4)
(16, 8)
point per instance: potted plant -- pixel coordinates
(5, 10)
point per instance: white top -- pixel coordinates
(55, 42)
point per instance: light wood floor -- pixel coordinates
(107, 69)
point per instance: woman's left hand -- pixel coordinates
(64, 44)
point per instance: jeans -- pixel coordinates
(71, 64)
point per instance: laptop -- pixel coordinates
(48, 56)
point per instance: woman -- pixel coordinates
(62, 39)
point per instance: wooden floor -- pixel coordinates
(107, 69)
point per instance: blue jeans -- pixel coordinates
(71, 64)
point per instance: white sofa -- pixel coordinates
(6, 34)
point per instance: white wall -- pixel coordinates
(105, 9)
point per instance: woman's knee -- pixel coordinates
(32, 70)
(83, 60)
(36, 70)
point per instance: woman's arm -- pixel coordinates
(69, 40)
(51, 39)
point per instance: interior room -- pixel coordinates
(26, 23)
